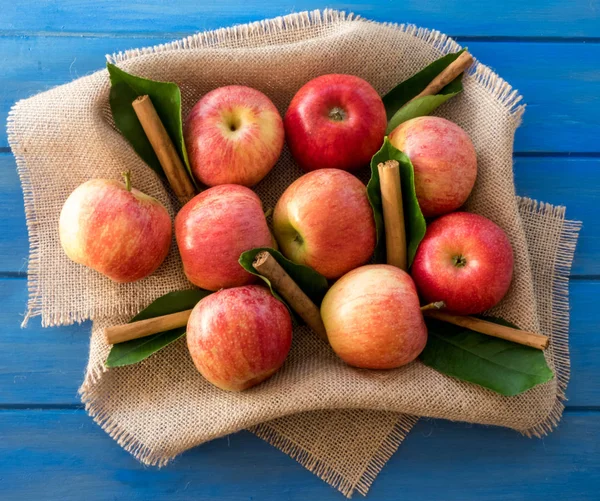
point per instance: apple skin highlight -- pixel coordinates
(125, 235)
(465, 260)
(213, 229)
(324, 220)
(373, 318)
(233, 135)
(239, 337)
(444, 160)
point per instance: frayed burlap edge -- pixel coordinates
(386, 450)
(560, 306)
(137, 449)
(34, 301)
(328, 474)
(501, 90)
(505, 96)
(560, 343)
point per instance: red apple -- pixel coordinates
(233, 135)
(335, 121)
(239, 337)
(213, 229)
(324, 220)
(464, 260)
(444, 159)
(372, 318)
(115, 229)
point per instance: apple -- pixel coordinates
(373, 319)
(213, 229)
(335, 121)
(466, 261)
(233, 135)
(444, 159)
(239, 337)
(115, 229)
(324, 220)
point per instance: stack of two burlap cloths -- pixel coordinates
(341, 423)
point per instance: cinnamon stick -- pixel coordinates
(165, 150)
(142, 328)
(526, 338)
(460, 64)
(393, 213)
(269, 268)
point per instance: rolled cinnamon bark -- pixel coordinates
(269, 268)
(164, 148)
(393, 213)
(142, 328)
(460, 64)
(526, 338)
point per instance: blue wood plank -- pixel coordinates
(63, 455)
(555, 18)
(560, 89)
(34, 64)
(38, 366)
(568, 181)
(559, 84)
(572, 182)
(14, 247)
(45, 366)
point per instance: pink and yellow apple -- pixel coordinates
(239, 337)
(335, 121)
(466, 261)
(444, 159)
(233, 135)
(324, 220)
(213, 229)
(373, 319)
(115, 229)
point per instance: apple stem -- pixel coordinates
(459, 261)
(438, 305)
(337, 114)
(127, 177)
(269, 212)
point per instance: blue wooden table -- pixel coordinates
(50, 449)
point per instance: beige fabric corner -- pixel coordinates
(341, 423)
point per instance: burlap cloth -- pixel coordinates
(341, 423)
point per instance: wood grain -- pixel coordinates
(509, 18)
(63, 455)
(561, 91)
(546, 49)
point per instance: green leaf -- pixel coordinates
(312, 283)
(414, 221)
(395, 99)
(502, 366)
(166, 98)
(132, 352)
(418, 108)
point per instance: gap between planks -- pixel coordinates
(183, 34)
